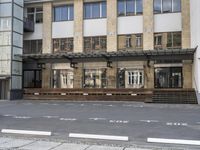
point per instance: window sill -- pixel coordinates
(167, 13)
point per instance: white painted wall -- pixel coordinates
(37, 34)
(130, 25)
(63, 29)
(95, 27)
(195, 41)
(167, 22)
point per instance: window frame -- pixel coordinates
(34, 13)
(65, 42)
(172, 7)
(90, 4)
(68, 7)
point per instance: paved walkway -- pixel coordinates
(7, 143)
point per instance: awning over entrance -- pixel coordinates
(122, 55)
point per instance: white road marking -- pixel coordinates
(119, 121)
(68, 119)
(135, 106)
(173, 141)
(176, 124)
(149, 121)
(26, 132)
(97, 104)
(110, 105)
(82, 105)
(101, 137)
(49, 117)
(8, 115)
(21, 117)
(96, 119)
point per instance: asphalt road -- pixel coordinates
(138, 121)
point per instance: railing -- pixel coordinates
(28, 25)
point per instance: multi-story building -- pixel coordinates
(110, 44)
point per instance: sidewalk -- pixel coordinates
(7, 143)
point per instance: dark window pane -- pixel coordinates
(157, 6)
(64, 13)
(104, 11)
(71, 12)
(167, 6)
(103, 43)
(130, 7)
(39, 18)
(57, 14)
(87, 43)
(176, 5)
(169, 40)
(177, 39)
(39, 9)
(87, 11)
(139, 7)
(96, 10)
(121, 8)
(30, 10)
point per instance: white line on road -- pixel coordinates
(119, 121)
(26, 132)
(176, 124)
(49, 117)
(21, 117)
(101, 137)
(68, 119)
(96, 119)
(173, 141)
(149, 121)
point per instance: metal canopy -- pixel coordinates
(121, 55)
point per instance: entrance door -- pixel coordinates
(3, 89)
(168, 77)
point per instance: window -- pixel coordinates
(63, 78)
(174, 40)
(158, 40)
(64, 13)
(63, 45)
(35, 14)
(134, 78)
(95, 78)
(130, 7)
(32, 78)
(130, 78)
(5, 38)
(32, 47)
(95, 43)
(5, 24)
(133, 41)
(167, 6)
(167, 40)
(95, 10)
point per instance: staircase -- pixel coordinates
(174, 96)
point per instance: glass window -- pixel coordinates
(87, 11)
(134, 78)
(176, 5)
(64, 13)
(5, 38)
(121, 8)
(157, 6)
(128, 41)
(167, 6)
(95, 43)
(139, 6)
(138, 42)
(130, 7)
(32, 79)
(104, 10)
(95, 10)
(63, 45)
(32, 47)
(35, 14)
(5, 24)
(95, 78)
(158, 40)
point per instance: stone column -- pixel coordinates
(111, 25)
(47, 42)
(148, 41)
(78, 76)
(148, 25)
(78, 26)
(186, 43)
(149, 75)
(112, 76)
(187, 74)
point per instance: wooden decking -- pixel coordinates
(141, 95)
(175, 96)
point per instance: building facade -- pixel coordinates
(109, 44)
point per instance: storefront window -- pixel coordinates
(63, 78)
(95, 78)
(32, 79)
